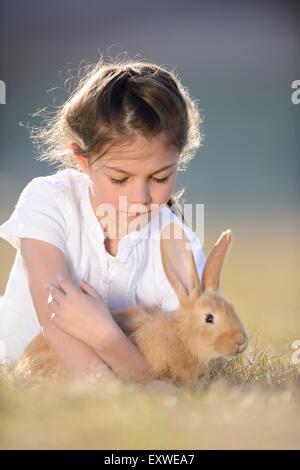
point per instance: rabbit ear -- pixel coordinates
(179, 264)
(214, 262)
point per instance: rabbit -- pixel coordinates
(179, 345)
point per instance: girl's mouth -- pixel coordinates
(137, 214)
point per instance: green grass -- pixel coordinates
(253, 403)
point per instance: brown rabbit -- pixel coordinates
(178, 345)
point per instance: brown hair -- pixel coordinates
(110, 103)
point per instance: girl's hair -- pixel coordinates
(113, 101)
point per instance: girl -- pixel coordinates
(82, 233)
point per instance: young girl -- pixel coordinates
(119, 140)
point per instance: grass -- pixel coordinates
(254, 403)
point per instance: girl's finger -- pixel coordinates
(88, 289)
(66, 283)
(55, 319)
(54, 306)
(56, 293)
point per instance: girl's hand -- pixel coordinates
(81, 313)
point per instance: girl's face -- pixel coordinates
(142, 172)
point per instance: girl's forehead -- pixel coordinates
(138, 147)
(137, 153)
(139, 164)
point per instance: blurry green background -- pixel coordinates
(238, 60)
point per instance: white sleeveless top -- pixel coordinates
(57, 209)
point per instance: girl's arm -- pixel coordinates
(125, 358)
(83, 315)
(83, 334)
(42, 262)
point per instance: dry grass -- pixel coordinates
(253, 403)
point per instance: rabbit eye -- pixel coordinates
(209, 318)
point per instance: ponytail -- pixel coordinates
(174, 204)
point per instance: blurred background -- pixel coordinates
(238, 59)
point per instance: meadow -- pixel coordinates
(253, 403)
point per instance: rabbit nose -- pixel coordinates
(241, 340)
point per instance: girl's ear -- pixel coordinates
(80, 159)
(179, 264)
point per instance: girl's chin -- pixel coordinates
(141, 213)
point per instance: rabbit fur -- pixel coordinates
(179, 345)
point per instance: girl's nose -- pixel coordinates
(140, 194)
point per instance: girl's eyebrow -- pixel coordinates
(129, 174)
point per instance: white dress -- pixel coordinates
(57, 209)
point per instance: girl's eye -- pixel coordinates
(116, 181)
(161, 180)
(122, 181)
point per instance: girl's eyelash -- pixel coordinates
(161, 180)
(122, 181)
(119, 182)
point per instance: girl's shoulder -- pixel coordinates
(46, 209)
(164, 217)
(58, 192)
(166, 297)
(67, 182)
(167, 216)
